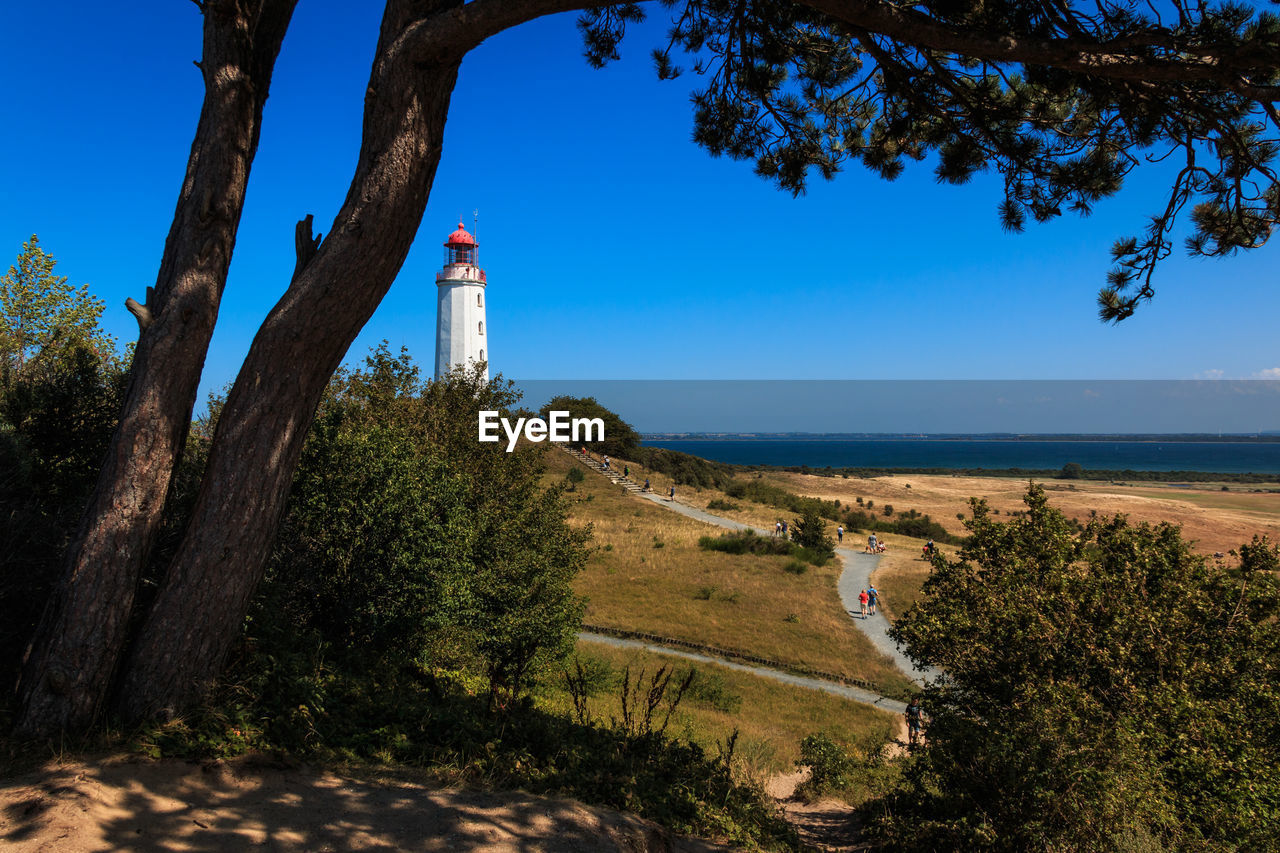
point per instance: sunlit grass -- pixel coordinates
(648, 574)
(771, 718)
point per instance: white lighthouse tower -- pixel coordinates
(460, 332)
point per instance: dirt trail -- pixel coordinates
(132, 804)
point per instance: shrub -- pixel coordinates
(721, 503)
(758, 491)
(683, 468)
(1144, 708)
(811, 533)
(620, 439)
(749, 542)
(913, 524)
(405, 540)
(815, 556)
(830, 767)
(745, 542)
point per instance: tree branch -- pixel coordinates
(304, 245)
(453, 32)
(1119, 59)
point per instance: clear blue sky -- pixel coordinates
(615, 248)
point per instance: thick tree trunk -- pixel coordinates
(199, 610)
(69, 667)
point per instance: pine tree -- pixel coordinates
(40, 313)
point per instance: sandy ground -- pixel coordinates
(1215, 520)
(131, 804)
(826, 824)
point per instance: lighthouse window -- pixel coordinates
(479, 300)
(482, 355)
(482, 328)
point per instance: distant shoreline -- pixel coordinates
(1143, 457)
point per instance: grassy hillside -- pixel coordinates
(648, 574)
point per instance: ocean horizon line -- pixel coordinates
(1263, 436)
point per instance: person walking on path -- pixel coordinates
(873, 595)
(863, 598)
(777, 529)
(915, 722)
(646, 484)
(871, 544)
(626, 470)
(839, 533)
(673, 494)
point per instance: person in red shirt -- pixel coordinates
(863, 598)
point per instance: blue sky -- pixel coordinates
(615, 248)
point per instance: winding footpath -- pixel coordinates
(857, 694)
(855, 576)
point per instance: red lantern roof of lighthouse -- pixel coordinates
(460, 238)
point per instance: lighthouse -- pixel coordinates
(460, 332)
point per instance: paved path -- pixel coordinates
(855, 693)
(855, 576)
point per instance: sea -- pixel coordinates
(1227, 457)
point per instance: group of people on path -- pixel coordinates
(876, 545)
(607, 465)
(867, 600)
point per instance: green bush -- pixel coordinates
(1117, 685)
(721, 503)
(745, 542)
(758, 491)
(830, 767)
(683, 468)
(406, 540)
(910, 523)
(749, 542)
(620, 439)
(810, 532)
(61, 387)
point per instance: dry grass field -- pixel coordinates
(648, 574)
(1215, 520)
(771, 718)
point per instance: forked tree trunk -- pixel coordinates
(76, 649)
(200, 607)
